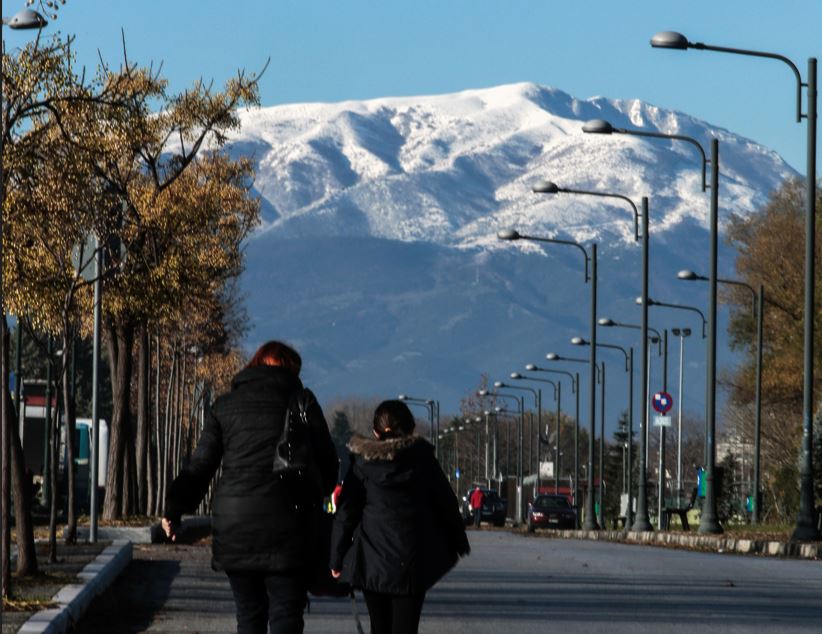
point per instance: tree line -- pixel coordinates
(117, 163)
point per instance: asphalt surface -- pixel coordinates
(509, 583)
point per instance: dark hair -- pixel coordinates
(279, 354)
(393, 419)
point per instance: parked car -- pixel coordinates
(551, 511)
(494, 508)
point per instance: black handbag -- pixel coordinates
(294, 453)
(294, 459)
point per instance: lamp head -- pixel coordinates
(26, 19)
(487, 413)
(508, 234)
(639, 301)
(686, 332)
(670, 39)
(598, 126)
(605, 321)
(531, 367)
(482, 393)
(499, 384)
(689, 276)
(402, 397)
(552, 356)
(675, 332)
(497, 409)
(516, 375)
(578, 341)
(545, 187)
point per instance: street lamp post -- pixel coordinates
(758, 302)
(590, 521)
(25, 19)
(629, 368)
(642, 496)
(709, 522)
(806, 528)
(682, 333)
(642, 522)
(521, 402)
(429, 406)
(537, 402)
(531, 367)
(543, 439)
(590, 518)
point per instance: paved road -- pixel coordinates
(510, 583)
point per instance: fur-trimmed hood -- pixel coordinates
(372, 449)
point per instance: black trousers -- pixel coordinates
(264, 599)
(394, 613)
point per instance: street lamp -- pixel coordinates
(25, 19)
(590, 519)
(682, 333)
(590, 522)
(429, 406)
(516, 376)
(758, 299)
(694, 309)
(709, 522)
(538, 403)
(575, 390)
(806, 528)
(521, 402)
(629, 368)
(642, 485)
(642, 523)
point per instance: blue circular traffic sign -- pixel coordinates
(663, 402)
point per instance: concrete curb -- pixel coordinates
(150, 534)
(74, 599)
(716, 543)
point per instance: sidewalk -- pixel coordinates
(56, 599)
(725, 543)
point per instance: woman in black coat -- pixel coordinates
(263, 519)
(398, 529)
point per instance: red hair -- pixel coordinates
(278, 354)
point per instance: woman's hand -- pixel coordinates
(335, 573)
(168, 528)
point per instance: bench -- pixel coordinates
(676, 506)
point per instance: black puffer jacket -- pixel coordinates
(398, 527)
(260, 520)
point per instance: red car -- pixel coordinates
(551, 511)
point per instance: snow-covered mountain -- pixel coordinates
(378, 255)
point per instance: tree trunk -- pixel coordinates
(21, 485)
(119, 341)
(151, 462)
(167, 430)
(71, 450)
(54, 441)
(22, 490)
(158, 432)
(5, 460)
(143, 421)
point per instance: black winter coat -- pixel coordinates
(398, 528)
(261, 521)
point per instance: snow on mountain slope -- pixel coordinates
(378, 254)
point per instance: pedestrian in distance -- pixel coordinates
(264, 520)
(476, 500)
(398, 528)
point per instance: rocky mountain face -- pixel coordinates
(378, 257)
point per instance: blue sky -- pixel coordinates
(332, 50)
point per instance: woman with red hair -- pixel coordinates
(264, 518)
